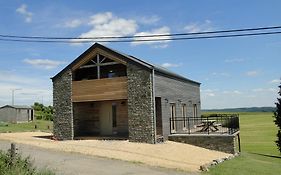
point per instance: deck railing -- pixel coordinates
(211, 124)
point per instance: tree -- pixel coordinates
(277, 121)
(43, 112)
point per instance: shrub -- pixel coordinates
(17, 165)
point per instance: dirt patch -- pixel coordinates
(169, 154)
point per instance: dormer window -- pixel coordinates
(99, 67)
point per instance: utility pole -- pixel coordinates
(13, 95)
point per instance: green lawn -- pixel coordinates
(259, 152)
(41, 125)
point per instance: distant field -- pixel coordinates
(259, 152)
(41, 125)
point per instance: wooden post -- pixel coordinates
(98, 66)
(12, 153)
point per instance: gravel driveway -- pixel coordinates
(168, 154)
(78, 164)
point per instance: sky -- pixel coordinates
(233, 72)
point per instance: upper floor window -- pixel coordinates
(99, 67)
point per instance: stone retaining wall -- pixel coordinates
(223, 143)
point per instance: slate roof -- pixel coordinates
(158, 69)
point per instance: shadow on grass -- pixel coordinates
(266, 155)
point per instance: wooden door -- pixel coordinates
(106, 118)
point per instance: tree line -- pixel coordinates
(43, 112)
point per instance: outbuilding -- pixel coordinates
(16, 113)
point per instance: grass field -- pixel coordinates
(259, 152)
(41, 125)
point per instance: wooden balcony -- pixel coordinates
(99, 89)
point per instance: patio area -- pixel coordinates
(216, 132)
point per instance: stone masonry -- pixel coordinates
(63, 116)
(224, 143)
(140, 105)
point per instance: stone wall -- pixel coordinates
(63, 116)
(223, 143)
(140, 105)
(178, 92)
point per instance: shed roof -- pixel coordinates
(126, 57)
(17, 106)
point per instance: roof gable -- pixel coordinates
(98, 48)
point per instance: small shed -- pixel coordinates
(16, 113)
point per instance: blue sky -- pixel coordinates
(234, 72)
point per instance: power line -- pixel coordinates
(144, 40)
(142, 36)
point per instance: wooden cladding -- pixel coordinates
(99, 89)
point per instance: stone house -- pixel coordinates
(16, 113)
(107, 93)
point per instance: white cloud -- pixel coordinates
(237, 92)
(232, 92)
(237, 98)
(26, 94)
(149, 20)
(223, 74)
(159, 31)
(43, 63)
(169, 65)
(106, 24)
(11, 77)
(31, 88)
(275, 81)
(100, 18)
(26, 14)
(235, 60)
(264, 90)
(199, 27)
(73, 23)
(210, 94)
(252, 73)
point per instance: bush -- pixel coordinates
(17, 165)
(43, 112)
(38, 117)
(3, 124)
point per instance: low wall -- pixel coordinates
(223, 143)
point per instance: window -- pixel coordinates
(184, 115)
(100, 67)
(195, 110)
(173, 116)
(114, 115)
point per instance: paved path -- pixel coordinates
(78, 164)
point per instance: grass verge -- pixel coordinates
(259, 152)
(35, 125)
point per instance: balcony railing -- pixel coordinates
(213, 124)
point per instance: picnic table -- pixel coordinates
(209, 125)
